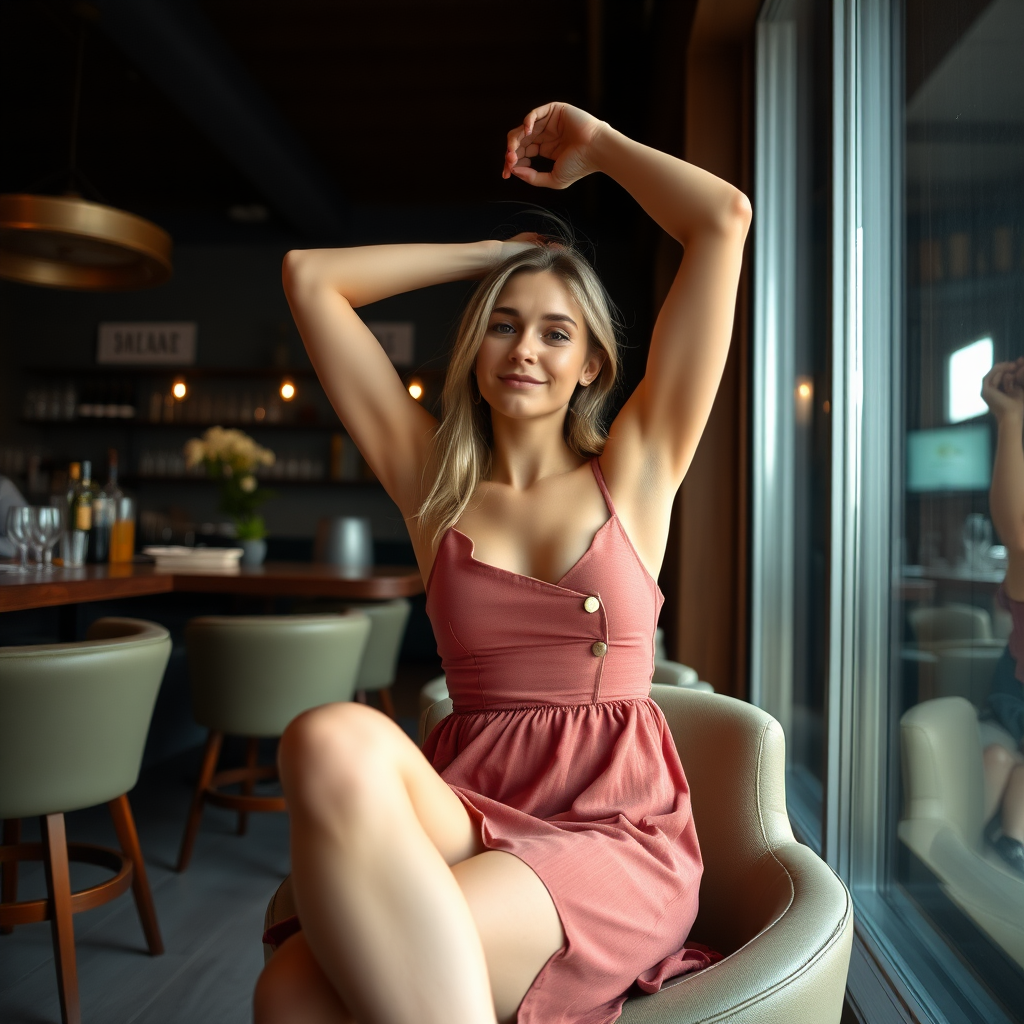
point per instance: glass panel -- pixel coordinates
(958, 708)
(809, 371)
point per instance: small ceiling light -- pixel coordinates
(179, 390)
(804, 390)
(287, 390)
(416, 389)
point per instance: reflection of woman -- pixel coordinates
(1003, 390)
(553, 861)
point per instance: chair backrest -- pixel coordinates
(943, 777)
(966, 669)
(734, 757)
(387, 628)
(251, 675)
(74, 717)
(951, 622)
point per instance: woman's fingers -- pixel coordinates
(543, 179)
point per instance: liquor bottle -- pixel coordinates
(104, 512)
(81, 517)
(74, 479)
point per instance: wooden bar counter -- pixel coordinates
(273, 579)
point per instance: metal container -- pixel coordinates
(346, 541)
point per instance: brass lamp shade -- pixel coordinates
(68, 242)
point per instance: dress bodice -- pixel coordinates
(508, 640)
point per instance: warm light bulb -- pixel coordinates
(416, 390)
(179, 390)
(287, 390)
(804, 390)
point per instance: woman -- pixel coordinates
(1003, 717)
(553, 862)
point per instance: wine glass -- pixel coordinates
(46, 525)
(18, 531)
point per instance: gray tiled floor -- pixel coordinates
(211, 918)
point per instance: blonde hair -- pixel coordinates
(462, 444)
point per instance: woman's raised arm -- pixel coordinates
(324, 287)
(1004, 395)
(653, 439)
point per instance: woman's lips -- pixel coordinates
(516, 381)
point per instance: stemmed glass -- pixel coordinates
(46, 524)
(18, 518)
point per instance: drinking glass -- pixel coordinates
(18, 531)
(122, 532)
(46, 525)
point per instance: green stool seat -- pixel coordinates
(250, 676)
(73, 724)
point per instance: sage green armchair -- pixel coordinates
(780, 915)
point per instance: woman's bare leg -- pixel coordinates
(1013, 804)
(514, 916)
(998, 763)
(374, 830)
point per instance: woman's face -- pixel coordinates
(535, 350)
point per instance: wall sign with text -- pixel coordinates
(148, 344)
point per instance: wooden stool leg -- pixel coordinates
(124, 825)
(252, 756)
(58, 884)
(9, 886)
(212, 752)
(387, 703)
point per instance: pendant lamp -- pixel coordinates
(69, 242)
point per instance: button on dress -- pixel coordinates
(562, 759)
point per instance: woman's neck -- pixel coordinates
(525, 451)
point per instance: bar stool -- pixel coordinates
(73, 724)
(250, 676)
(388, 620)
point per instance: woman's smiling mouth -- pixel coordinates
(519, 380)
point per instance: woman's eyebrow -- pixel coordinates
(560, 317)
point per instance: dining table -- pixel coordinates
(64, 586)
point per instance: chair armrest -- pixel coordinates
(794, 969)
(673, 673)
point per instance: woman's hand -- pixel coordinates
(558, 132)
(1003, 389)
(516, 244)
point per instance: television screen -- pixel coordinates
(949, 459)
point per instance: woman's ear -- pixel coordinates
(592, 367)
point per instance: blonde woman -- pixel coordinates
(541, 858)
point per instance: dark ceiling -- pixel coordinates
(396, 102)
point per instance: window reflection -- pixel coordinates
(960, 702)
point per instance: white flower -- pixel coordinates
(248, 484)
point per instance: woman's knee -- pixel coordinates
(331, 756)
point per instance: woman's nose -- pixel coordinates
(525, 347)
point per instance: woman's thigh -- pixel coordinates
(352, 754)
(514, 914)
(518, 924)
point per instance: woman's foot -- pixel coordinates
(1012, 851)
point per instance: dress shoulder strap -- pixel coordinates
(595, 465)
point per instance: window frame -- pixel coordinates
(902, 969)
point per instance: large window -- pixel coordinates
(889, 277)
(793, 392)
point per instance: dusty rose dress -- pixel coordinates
(562, 759)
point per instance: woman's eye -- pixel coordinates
(502, 328)
(559, 336)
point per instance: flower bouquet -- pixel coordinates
(232, 457)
